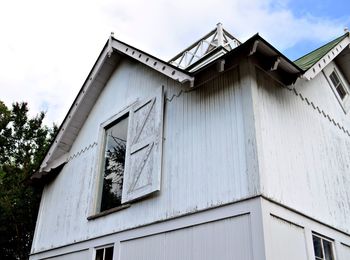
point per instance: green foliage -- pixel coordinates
(23, 144)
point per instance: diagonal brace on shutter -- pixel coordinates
(143, 161)
(140, 168)
(137, 136)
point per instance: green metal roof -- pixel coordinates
(308, 60)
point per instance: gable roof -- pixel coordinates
(315, 61)
(99, 75)
(307, 61)
(274, 62)
(149, 60)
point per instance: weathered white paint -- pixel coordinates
(237, 136)
(206, 131)
(304, 153)
(95, 82)
(143, 160)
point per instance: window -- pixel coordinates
(105, 253)
(130, 156)
(114, 163)
(323, 248)
(339, 87)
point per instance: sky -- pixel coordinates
(48, 47)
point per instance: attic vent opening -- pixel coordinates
(211, 46)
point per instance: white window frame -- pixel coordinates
(323, 253)
(339, 84)
(344, 103)
(100, 163)
(104, 252)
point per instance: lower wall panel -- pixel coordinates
(344, 252)
(225, 239)
(287, 240)
(82, 255)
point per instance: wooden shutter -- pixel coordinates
(144, 149)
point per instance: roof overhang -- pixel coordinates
(262, 53)
(332, 54)
(163, 67)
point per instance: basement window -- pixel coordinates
(105, 253)
(323, 248)
(114, 163)
(338, 85)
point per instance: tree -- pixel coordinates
(23, 144)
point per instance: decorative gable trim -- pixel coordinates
(153, 62)
(103, 68)
(313, 71)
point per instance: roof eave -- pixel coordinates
(263, 53)
(157, 64)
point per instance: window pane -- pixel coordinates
(99, 254)
(341, 91)
(109, 253)
(114, 164)
(327, 247)
(334, 78)
(317, 246)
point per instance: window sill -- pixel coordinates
(109, 211)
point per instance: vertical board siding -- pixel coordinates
(305, 158)
(65, 205)
(203, 163)
(224, 239)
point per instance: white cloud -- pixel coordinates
(47, 48)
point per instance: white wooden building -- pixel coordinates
(228, 151)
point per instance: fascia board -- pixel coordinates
(152, 62)
(74, 109)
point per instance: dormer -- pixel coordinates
(333, 61)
